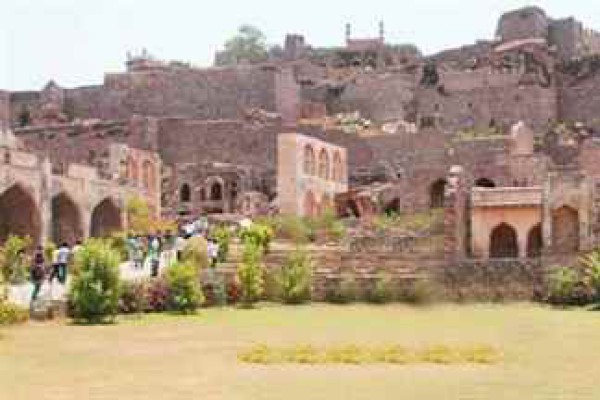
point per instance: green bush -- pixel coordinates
(222, 235)
(381, 290)
(94, 291)
(591, 263)
(118, 241)
(327, 227)
(15, 264)
(257, 234)
(293, 228)
(133, 297)
(342, 291)
(250, 274)
(195, 252)
(566, 287)
(184, 287)
(294, 278)
(12, 314)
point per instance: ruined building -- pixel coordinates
(517, 113)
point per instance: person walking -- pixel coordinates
(55, 268)
(38, 272)
(154, 255)
(212, 250)
(62, 260)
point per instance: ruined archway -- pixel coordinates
(310, 204)
(436, 193)
(216, 191)
(392, 206)
(185, 193)
(565, 230)
(534, 241)
(485, 183)
(66, 220)
(106, 218)
(503, 242)
(19, 214)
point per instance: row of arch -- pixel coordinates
(504, 241)
(325, 167)
(147, 175)
(315, 206)
(215, 192)
(20, 215)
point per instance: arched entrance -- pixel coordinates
(436, 193)
(216, 191)
(66, 220)
(185, 193)
(19, 214)
(503, 242)
(565, 230)
(485, 183)
(392, 206)
(534, 241)
(106, 218)
(310, 204)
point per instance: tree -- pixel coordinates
(249, 45)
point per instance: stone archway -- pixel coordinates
(534, 241)
(19, 214)
(106, 218)
(310, 204)
(565, 230)
(216, 191)
(503, 242)
(436, 193)
(66, 220)
(185, 193)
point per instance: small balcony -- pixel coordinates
(507, 197)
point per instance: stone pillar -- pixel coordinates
(522, 242)
(547, 214)
(45, 200)
(455, 214)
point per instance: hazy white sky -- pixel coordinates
(76, 41)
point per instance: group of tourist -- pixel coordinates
(143, 251)
(62, 257)
(146, 250)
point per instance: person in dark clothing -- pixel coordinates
(38, 272)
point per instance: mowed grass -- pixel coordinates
(548, 354)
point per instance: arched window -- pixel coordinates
(324, 164)
(534, 241)
(148, 175)
(485, 183)
(338, 172)
(436, 193)
(503, 242)
(309, 160)
(216, 191)
(310, 204)
(185, 194)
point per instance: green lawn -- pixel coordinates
(549, 354)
